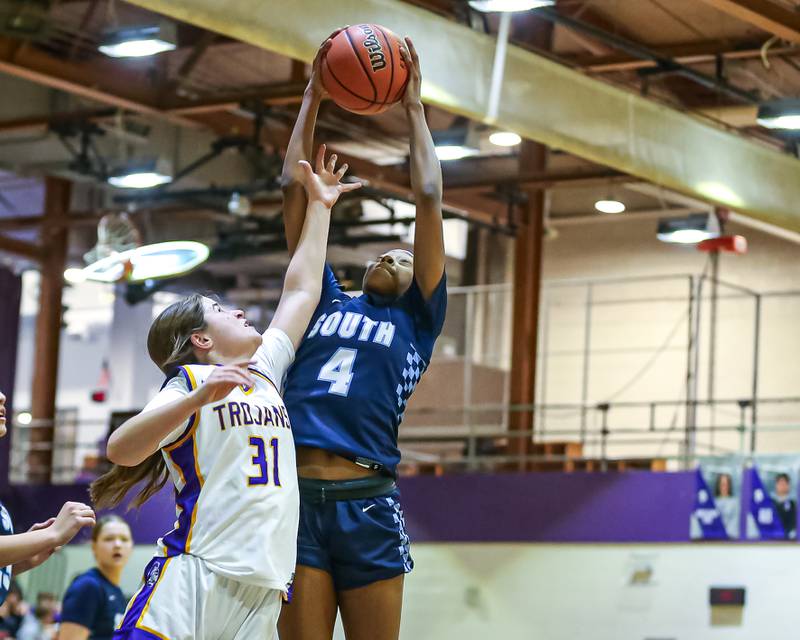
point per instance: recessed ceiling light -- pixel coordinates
(780, 114)
(609, 206)
(504, 6)
(505, 139)
(139, 42)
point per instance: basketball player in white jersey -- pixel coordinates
(219, 430)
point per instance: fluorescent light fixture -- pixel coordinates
(139, 42)
(502, 6)
(690, 230)
(454, 152)
(141, 175)
(505, 139)
(780, 114)
(609, 206)
(108, 269)
(150, 262)
(166, 259)
(74, 276)
(456, 143)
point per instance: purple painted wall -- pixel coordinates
(549, 507)
(535, 507)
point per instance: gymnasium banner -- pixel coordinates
(772, 504)
(717, 499)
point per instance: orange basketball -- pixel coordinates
(363, 70)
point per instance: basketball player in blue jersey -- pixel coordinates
(220, 431)
(346, 393)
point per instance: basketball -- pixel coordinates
(363, 70)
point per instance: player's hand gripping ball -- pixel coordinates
(363, 69)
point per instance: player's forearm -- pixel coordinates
(426, 172)
(304, 273)
(140, 437)
(300, 147)
(301, 142)
(20, 547)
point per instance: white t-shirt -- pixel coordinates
(233, 466)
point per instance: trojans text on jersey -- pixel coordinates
(245, 414)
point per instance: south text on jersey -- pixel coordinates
(354, 325)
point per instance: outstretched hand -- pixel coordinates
(315, 81)
(325, 185)
(413, 94)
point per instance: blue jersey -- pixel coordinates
(94, 602)
(356, 368)
(6, 529)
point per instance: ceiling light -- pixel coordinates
(456, 142)
(609, 206)
(490, 6)
(141, 175)
(780, 114)
(690, 230)
(505, 139)
(150, 262)
(239, 205)
(454, 152)
(166, 259)
(139, 42)
(108, 269)
(74, 276)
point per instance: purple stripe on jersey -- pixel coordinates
(264, 376)
(183, 456)
(152, 574)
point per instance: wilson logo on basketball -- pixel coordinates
(373, 46)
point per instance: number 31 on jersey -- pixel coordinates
(338, 370)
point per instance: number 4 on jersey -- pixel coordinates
(339, 371)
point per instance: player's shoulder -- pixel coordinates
(88, 582)
(194, 374)
(6, 524)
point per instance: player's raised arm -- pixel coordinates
(303, 284)
(141, 436)
(301, 148)
(426, 182)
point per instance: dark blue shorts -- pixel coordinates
(357, 541)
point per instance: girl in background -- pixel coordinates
(94, 603)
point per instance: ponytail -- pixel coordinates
(169, 345)
(110, 488)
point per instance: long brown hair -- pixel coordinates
(169, 345)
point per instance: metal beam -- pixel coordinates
(21, 248)
(101, 81)
(683, 53)
(528, 250)
(541, 100)
(534, 180)
(764, 14)
(48, 331)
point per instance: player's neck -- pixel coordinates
(219, 359)
(113, 574)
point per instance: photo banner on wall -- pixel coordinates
(772, 501)
(717, 499)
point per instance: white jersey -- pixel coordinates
(233, 466)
